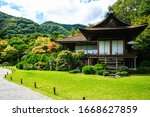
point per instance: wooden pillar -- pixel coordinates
(105, 60)
(130, 63)
(116, 63)
(97, 47)
(124, 62)
(89, 61)
(135, 63)
(111, 47)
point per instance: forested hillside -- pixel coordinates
(12, 26)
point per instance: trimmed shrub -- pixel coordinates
(88, 69)
(145, 63)
(132, 71)
(63, 67)
(124, 69)
(106, 73)
(40, 65)
(19, 66)
(100, 72)
(123, 73)
(28, 66)
(143, 70)
(98, 67)
(5, 64)
(75, 71)
(77, 58)
(35, 62)
(118, 73)
(112, 71)
(64, 61)
(140, 70)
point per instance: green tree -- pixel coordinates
(64, 61)
(3, 44)
(126, 10)
(74, 31)
(136, 12)
(20, 44)
(144, 8)
(9, 54)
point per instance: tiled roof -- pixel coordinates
(75, 38)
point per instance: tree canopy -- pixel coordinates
(136, 12)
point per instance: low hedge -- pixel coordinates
(106, 73)
(123, 73)
(124, 69)
(98, 67)
(143, 70)
(88, 69)
(74, 71)
(100, 72)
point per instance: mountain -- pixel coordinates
(17, 25)
(11, 25)
(73, 26)
(52, 27)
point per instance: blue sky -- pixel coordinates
(61, 11)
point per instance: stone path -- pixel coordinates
(11, 91)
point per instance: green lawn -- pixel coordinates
(93, 87)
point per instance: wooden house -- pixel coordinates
(109, 42)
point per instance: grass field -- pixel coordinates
(76, 86)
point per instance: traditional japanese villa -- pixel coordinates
(109, 42)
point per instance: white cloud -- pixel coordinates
(9, 10)
(61, 11)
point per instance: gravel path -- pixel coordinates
(11, 91)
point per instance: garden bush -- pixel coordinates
(28, 67)
(63, 67)
(106, 73)
(143, 70)
(5, 64)
(19, 66)
(75, 71)
(77, 57)
(88, 69)
(34, 62)
(39, 65)
(100, 72)
(123, 73)
(132, 71)
(112, 71)
(52, 64)
(98, 67)
(140, 70)
(64, 61)
(118, 73)
(124, 69)
(145, 63)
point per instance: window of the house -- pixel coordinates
(104, 47)
(88, 49)
(117, 47)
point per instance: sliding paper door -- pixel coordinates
(120, 46)
(117, 47)
(104, 47)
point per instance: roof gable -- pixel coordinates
(111, 21)
(109, 28)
